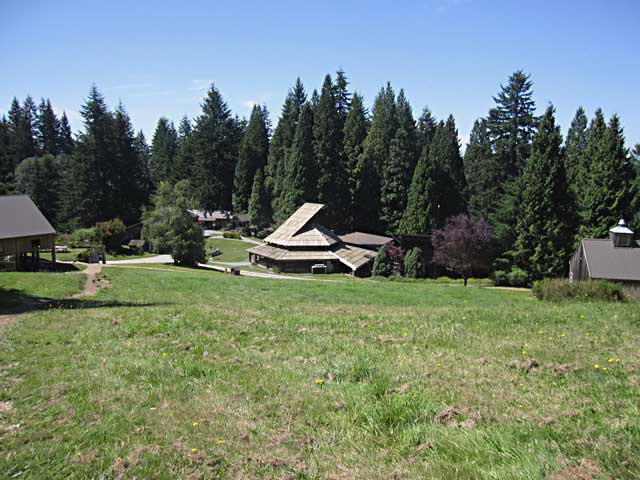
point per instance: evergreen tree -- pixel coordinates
(417, 217)
(342, 96)
(215, 151)
(65, 138)
(546, 224)
(512, 123)
(252, 156)
(425, 130)
(384, 125)
(47, 129)
(609, 190)
(163, 151)
(130, 189)
(6, 158)
(301, 174)
(21, 130)
(398, 168)
(143, 152)
(88, 184)
(575, 147)
(449, 183)
(183, 165)
(281, 141)
(331, 175)
(481, 171)
(259, 205)
(39, 177)
(355, 133)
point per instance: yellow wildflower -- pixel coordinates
(596, 366)
(319, 381)
(611, 360)
(604, 369)
(195, 424)
(164, 354)
(194, 450)
(220, 442)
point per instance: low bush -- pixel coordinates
(83, 237)
(112, 232)
(558, 289)
(517, 277)
(231, 234)
(500, 278)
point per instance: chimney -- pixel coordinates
(621, 235)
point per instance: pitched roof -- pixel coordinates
(605, 261)
(352, 257)
(297, 231)
(19, 217)
(361, 238)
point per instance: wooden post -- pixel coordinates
(53, 257)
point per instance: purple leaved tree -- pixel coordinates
(461, 246)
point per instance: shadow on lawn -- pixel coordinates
(14, 301)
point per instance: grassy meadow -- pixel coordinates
(195, 374)
(232, 250)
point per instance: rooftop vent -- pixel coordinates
(621, 235)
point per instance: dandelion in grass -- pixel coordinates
(220, 442)
(319, 381)
(78, 454)
(405, 334)
(596, 366)
(617, 360)
(604, 369)
(611, 360)
(164, 354)
(119, 459)
(194, 450)
(195, 424)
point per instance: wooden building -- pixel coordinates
(616, 258)
(301, 245)
(220, 219)
(24, 230)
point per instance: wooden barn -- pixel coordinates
(616, 258)
(23, 230)
(302, 245)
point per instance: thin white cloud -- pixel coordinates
(132, 86)
(200, 85)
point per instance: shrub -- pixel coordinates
(500, 278)
(389, 260)
(558, 289)
(413, 263)
(517, 277)
(83, 237)
(231, 234)
(112, 232)
(85, 255)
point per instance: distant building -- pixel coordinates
(220, 219)
(23, 230)
(616, 258)
(301, 245)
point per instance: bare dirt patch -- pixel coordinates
(93, 283)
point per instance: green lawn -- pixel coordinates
(232, 250)
(194, 374)
(125, 254)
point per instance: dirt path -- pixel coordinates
(92, 283)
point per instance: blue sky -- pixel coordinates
(159, 57)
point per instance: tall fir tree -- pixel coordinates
(39, 177)
(384, 124)
(449, 182)
(47, 129)
(575, 146)
(301, 170)
(398, 167)
(512, 123)
(215, 150)
(130, 189)
(183, 165)
(252, 156)
(164, 146)
(342, 96)
(65, 137)
(417, 217)
(546, 225)
(143, 152)
(21, 130)
(355, 132)
(88, 185)
(281, 142)
(7, 156)
(425, 130)
(480, 168)
(259, 204)
(331, 175)
(610, 188)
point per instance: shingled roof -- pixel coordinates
(607, 262)
(297, 231)
(352, 257)
(19, 217)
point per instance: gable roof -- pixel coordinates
(607, 262)
(352, 257)
(297, 231)
(19, 217)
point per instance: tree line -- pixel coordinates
(383, 171)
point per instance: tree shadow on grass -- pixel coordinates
(14, 301)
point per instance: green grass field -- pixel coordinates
(194, 374)
(232, 250)
(71, 255)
